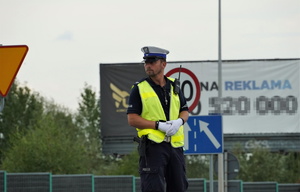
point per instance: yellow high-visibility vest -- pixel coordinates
(153, 111)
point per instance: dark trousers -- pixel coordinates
(163, 168)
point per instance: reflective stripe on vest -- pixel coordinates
(153, 111)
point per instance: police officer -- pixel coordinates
(158, 113)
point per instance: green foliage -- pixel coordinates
(41, 136)
(262, 165)
(88, 120)
(292, 168)
(21, 112)
(51, 146)
(197, 166)
(128, 165)
(260, 161)
(89, 111)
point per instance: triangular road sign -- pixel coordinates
(11, 59)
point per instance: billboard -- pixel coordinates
(115, 84)
(258, 96)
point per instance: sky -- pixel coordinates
(68, 39)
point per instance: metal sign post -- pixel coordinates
(2, 102)
(220, 156)
(231, 168)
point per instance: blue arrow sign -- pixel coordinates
(203, 135)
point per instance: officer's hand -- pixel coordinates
(163, 126)
(174, 127)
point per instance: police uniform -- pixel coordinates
(163, 165)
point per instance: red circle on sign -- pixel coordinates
(197, 84)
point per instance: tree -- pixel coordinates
(40, 135)
(292, 168)
(262, 165)
(197, 166)
(127, 165)
(88, 120)
(21, 112)
(52, 145)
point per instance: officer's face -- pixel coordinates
(154, 68)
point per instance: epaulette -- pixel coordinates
(137, 82)
(140, 81)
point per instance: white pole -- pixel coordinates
(220, 156)
(226, 171)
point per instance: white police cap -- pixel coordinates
(154, 52)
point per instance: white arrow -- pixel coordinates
(204, 127)
(186, 136)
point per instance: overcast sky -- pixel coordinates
(68, 39)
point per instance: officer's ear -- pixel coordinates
(164, 62)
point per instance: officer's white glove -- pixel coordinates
(174, 127)
(163, 126)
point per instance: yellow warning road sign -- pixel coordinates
(11, 59)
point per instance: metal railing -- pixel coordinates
(47, 182)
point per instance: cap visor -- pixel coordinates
(151, 59)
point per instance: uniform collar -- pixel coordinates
(149, 80)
